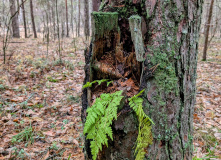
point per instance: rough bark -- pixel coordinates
(207, 31)
(24, 18)
(15, 23)
(170, 31)
(33, 19)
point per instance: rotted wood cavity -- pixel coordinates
(106, 69)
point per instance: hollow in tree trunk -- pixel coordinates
(149, 45)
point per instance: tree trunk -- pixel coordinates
(53, 19)
(18, 7)
(79, 18)
(15, 23)
(207, 31)
(24, 18)
(151, 45)
(96, 5)
(32, 19)
(66, 3)
(86, 15)
(72, 16)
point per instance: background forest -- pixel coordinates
(42, 45)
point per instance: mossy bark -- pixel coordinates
(170, 30)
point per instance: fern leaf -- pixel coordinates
(89, 84)
(94, 149)
(99, 119)
(144, 138)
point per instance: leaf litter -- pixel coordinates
(40, 101)
(207, 111)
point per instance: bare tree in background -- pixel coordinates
(207, 31)
(72, 15)
(66, 2)
(79, 18)
(53, 19)
(15, 23)
(58, 30)
(33, 19)
(86, 24)
(24, 18)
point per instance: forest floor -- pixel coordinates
(207, 115)
(40, 102)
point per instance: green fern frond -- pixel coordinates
(99, 120)
(144, 138)
(89, 84)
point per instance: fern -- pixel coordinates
(99, 120)
(89, 84)
(144, 138)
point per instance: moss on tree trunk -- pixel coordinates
(164, 34)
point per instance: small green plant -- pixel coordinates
(89, 84)
(62, 127)
(100, 117)
(19, 154)
(53, 125)
(2, 87)
(73, 99)
(69, 65)
(144, 138)
(26, 135)
(50, 79)
(54, 146)
(38, 106)
(65, 121)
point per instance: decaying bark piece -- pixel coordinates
(136, 35)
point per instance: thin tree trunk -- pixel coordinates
(151, 46)
(18, 6)
(24, 19)
(207, 31)
(54, 21)
(48, 14)
(72, 16)
(66, 3)
(86, 15)
(79, 17)
(15, 23)
(58, 29)
(32, 19)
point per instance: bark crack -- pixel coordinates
(168, 148)
(181, 99)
